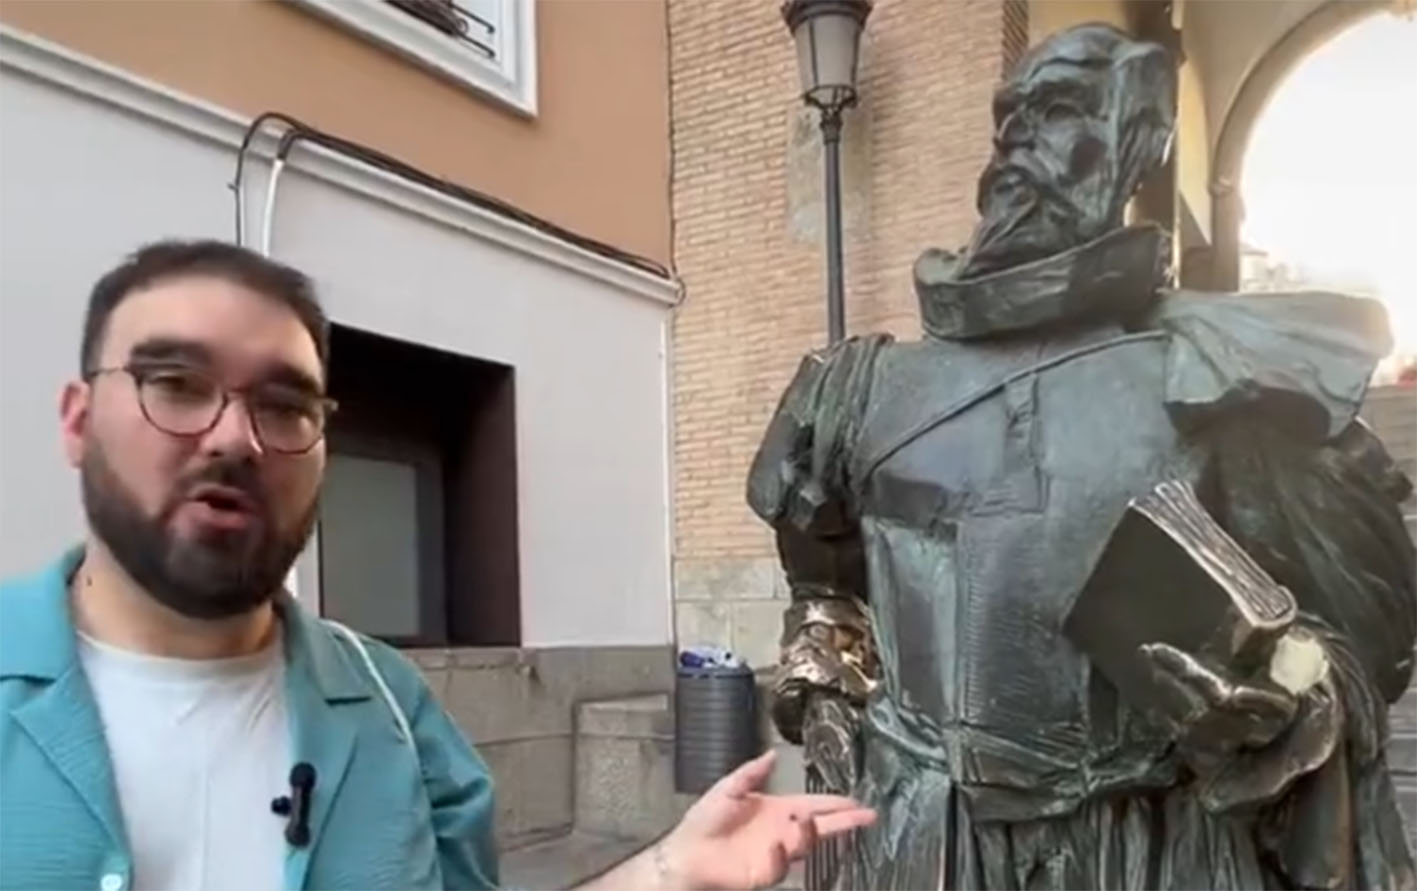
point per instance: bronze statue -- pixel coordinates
(940, 505)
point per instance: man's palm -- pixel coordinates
(736, 837)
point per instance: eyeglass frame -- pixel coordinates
(137, 371)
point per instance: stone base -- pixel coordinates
(518, 707)
(564, 862)
(625, 768)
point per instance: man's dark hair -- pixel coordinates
(166, 260)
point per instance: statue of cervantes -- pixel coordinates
(941, 507)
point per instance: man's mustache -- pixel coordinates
(1023, 172)
(1022, 215)
(240, 474)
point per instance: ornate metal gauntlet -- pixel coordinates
(826, 647)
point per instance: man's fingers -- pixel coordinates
(749, 777)
(844, 821)
(816, 804)
(773, 866)
(802, 835)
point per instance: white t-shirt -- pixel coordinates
(199, 750)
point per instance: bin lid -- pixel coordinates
(721, 671)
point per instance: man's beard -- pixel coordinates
(227, 574)
(1022, 220)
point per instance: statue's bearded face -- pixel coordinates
(1078, 123)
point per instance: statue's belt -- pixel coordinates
(1007, 779)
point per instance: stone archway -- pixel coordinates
(1227, 208)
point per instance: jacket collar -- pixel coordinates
(36, 627)
(1116, 275)
(37, 637)
(311, 646)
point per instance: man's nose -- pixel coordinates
(234, 432)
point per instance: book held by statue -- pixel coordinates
(1170, 574)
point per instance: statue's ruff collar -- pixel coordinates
(1116, 275)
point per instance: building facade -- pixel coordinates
(485, 211)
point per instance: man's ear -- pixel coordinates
(1145, 120)
(74, 404)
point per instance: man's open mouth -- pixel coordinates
(223, 505)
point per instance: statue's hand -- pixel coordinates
(1247, 739)
(1213, 711)
(829, 740)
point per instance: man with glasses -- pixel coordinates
(161, 695)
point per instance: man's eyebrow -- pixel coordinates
(174, 349)
(288, 375)
(1051, 87)
(168, 349)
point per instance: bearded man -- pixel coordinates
(160, 689)
(939, 505)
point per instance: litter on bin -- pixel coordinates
(709, 657)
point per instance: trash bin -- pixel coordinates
(715, 724)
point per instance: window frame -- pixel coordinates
(432, 594)
(508, 79)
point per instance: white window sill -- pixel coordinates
(509, 79)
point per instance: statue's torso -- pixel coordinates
(979, 530)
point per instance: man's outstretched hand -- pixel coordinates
(735, 837)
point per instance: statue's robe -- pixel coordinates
(962, 488)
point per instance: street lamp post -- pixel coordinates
(828, 36)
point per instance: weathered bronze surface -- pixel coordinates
(940, 505)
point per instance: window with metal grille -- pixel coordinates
(487, 45)
(472, 21)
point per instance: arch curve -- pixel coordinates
(1227, 208)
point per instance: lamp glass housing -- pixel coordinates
(828, 35)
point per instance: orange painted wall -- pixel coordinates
(595, 159)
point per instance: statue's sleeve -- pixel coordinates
(1326, 523)
(1301, 362)
(799, 485)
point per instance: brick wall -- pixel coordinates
(748, 232)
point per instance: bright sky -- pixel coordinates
(1330, 178)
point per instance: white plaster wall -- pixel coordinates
(82, 183)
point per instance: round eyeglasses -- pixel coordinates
(188, 402)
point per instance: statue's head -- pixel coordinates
(1079, 122)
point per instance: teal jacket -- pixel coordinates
(380, 817)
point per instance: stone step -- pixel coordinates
(625, 768)
(564, 862)
(572, 859)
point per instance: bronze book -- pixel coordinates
(1170, 574)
